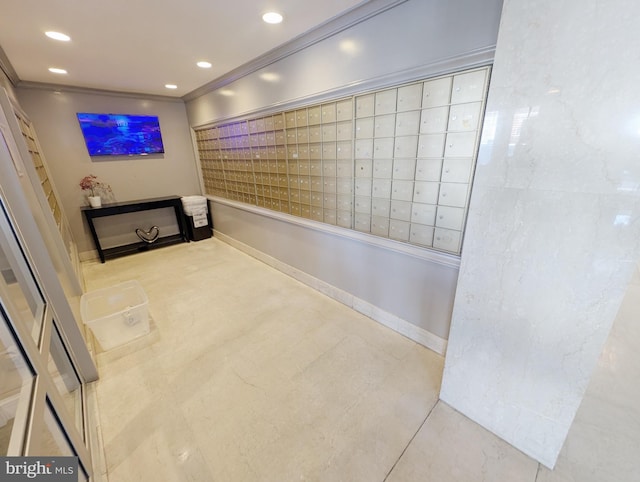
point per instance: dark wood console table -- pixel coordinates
(131, 207)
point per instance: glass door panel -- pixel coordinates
(54, 442)
(65, 378)
(43, 361)
(17, 280)
(16, 382)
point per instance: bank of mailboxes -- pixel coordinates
(396, 163)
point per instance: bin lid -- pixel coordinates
(193, 200)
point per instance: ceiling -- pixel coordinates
(139, 46)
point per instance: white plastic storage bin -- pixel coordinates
(116, 315)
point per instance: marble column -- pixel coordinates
(553, 232)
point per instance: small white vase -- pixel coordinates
(94, 201)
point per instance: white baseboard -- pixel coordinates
(94, 433)
(89, 255)
(397, 324)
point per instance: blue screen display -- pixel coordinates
(121, 134)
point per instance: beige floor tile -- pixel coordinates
(449, 447)
(156, 446)
(250, 375)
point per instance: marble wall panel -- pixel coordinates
(554, 227)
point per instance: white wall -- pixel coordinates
(416, 39)
(54, 117)
(553, 234)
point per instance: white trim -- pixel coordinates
(74, 277)
(7, 68)
(94, 433)
(88, 255)
(36, 252)
(397, 324)
(24, 84)
(426, 254)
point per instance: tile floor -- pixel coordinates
(249, 375)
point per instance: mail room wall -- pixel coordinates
(53, 114)
(412, 40)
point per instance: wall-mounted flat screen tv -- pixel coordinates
(121, 134)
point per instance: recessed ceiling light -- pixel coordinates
(58, 36)
(203, 64)
(272, 17)
(171, 86)
(57, 71)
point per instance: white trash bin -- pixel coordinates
(195, 210)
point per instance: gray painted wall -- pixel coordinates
(54, 117)
(416, 39)
(417, 290)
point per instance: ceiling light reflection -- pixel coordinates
(519, 120)
(629, 186)
(489, 127)
(350, 47)
(622, 220)
(270, 76)
(227, 92)
(633, 126)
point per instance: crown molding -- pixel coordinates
(325, 30)
(88, 90)
(477, 58)
(8, 69)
